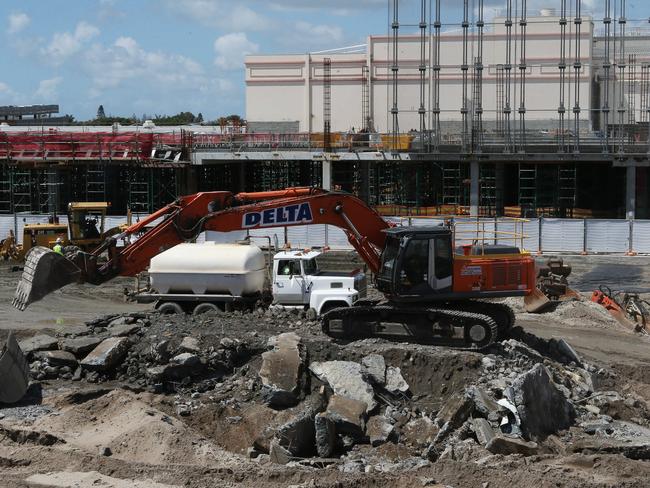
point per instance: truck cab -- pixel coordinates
(298, 281)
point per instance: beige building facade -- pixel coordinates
(290, 87)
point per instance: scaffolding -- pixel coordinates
(488, 190)
(644, 92)
(528, 189)
(96, 183)
(366, 123)
(500, 87)
(327, 104)
(567, 186)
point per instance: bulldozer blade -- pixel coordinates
(45, 271)
(536, 301)
(13, 372)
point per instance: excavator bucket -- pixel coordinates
(45, 271)
(536, 301)
(13, 371)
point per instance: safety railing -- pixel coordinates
(477, 232)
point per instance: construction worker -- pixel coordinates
(58, 246)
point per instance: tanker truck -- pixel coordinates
(212, 277)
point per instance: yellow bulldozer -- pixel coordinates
(85, 229)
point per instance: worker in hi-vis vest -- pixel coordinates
(58, 247)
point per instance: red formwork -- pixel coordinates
(70, 146)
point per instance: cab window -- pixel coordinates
(443, 263)
(288, 267)
(415, 264)
(388, 259)
(310, 266)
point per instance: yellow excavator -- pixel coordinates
(85, 230)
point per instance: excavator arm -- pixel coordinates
(184, 219)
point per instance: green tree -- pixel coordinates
(100, 112)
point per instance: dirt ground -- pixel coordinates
(62, 439)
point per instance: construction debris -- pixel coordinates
(373, 408)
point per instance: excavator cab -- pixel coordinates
(417, 262)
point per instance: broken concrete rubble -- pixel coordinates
(325, 435)
(57, 358)
(80, 345)
(190, 344)
(298, 436)
(379, 430)
(282, 370)
(39, 342)
(395, 382)
(483, 430)
(107, 354)
(509, 445)
(186, 359)
(346, 379)
(347, 414)
(123, 330)
(374, 366)
(542, 408)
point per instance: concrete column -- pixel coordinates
(327, 174)
(473, 188)
(630, 192)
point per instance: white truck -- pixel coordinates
(198, 278)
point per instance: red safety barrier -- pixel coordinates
(76, 145)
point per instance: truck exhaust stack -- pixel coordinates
(45, 271)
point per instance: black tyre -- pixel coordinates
(169, 308)
(203, 308)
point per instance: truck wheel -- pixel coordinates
(169, 308)
(202, 308)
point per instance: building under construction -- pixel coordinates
(531, 114)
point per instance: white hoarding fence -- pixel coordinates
(545, 235)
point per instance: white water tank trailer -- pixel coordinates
(209, 268)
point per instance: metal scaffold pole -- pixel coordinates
(621, 78)
(477, 128)
(507, 68)
(607, 64)
(423, 68)
(395, 71)
(523, 67)
(464, 70)
(436, 78)
(561, 109)
(577, 67)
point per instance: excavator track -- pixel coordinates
(442, 326)
(501, 313)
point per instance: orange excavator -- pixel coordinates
(433, 290)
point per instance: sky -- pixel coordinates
(166, 56)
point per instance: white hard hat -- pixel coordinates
(58, 240)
